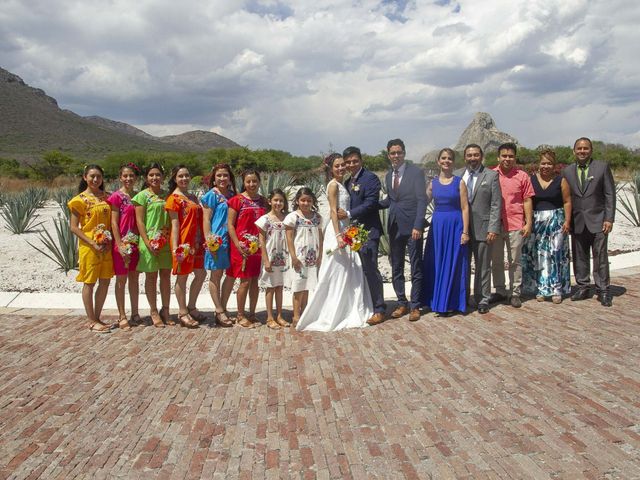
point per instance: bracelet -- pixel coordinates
(465, 233)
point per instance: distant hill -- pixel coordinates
(33, 123)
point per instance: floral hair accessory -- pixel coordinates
(134, 167)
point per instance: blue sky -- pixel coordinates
(306, 76)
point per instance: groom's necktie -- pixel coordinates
(583, 175)
(396, 178)
(470, 183)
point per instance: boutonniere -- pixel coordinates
(589, 178)
(483, 183)
(355, 187)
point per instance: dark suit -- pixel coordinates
(407, 207)
(364, 191)
(592, 205)
(485, 207)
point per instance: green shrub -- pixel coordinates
(36, 195)
(64, 251)
(19, 213)
(630, 207)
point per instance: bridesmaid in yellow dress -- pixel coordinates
(90, 221)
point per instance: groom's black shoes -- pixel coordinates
(581, 294)
(376, 319)
(605, 299)
(401, 311)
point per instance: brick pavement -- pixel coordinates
(542, 392)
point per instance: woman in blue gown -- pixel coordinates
(446, 261)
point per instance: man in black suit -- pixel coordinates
(407, 204)
(364, 192)
(593, 196)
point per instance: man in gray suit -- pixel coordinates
(593, 194)
(485, 205)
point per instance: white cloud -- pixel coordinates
(300, 75)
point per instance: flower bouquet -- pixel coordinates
(213, 243)
(129, 245)
(250, 243)
(354, 236)
(101, 235)
(159, 240)
(182, 252)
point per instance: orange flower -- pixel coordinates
(352, 232)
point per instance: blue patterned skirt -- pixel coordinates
(545, 256)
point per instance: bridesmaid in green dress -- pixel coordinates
(154, 226)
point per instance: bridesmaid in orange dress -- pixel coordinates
(187, 244)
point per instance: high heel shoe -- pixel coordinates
(186, 321)
(223, 320)
(157, 320)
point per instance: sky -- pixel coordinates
(311, 76)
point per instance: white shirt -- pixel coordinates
(400, 173)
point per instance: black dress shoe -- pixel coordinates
(497, 298)
(580, 295)
(483, 308)
(605, 299)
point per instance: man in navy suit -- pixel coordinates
(364, 191)
(407, 203)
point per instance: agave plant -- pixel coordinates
(271, 181)
(19, 213)
(62, 196)
(316, 183)
(384, 247)
(64, 252)
(36, 195)
(630, 202)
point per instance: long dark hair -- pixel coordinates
(328, 165)
(279, 191)
(246, 173)
(305, 191)
(174, 172)
(148, 169)
(83, 183)
(232, 178)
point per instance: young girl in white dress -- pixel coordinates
(341, 298)
(304, 239)
(273, 245)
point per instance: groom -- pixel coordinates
(364, 191)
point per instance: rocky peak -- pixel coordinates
(16, 82)
(483, 131)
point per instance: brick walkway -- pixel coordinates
(542, 392)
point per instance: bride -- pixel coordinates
(341, 298)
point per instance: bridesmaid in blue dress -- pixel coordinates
(445, 262)
(215, 208)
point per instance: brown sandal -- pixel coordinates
(157, 320)
(167, 318)
(245, 322)
(123, 324)
(99, 327)
(186, 321)
(282, 322)
(273, 324)
(223, 320)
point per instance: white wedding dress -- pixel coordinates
(341, 298)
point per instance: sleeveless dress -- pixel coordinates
(545, 254)
(127, 211)
(341, 298)
(445, 263)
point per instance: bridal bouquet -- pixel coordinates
(101, 235)
(159, 240)
(249, 242)
(213, 243)
(354, 236)
(182, 252)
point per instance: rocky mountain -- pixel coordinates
(483, 131)
(32, 123)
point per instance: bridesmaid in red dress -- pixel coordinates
(244, 209)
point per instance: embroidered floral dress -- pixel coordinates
(217, 203)
(307, 244)
(248, 212)
(274, 232)
(92, 211)
(189, 213)
(122, 202)
(156, 221)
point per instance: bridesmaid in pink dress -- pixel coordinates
(125, 254)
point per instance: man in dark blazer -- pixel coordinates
(593, 196)
(485, 207)
(407, 203)
(364, 191)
